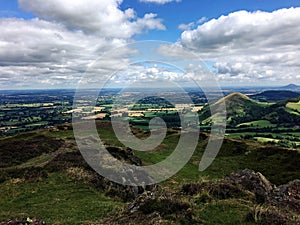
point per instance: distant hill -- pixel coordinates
(275, 95)
(242, 109)
(237, 103)
(239, 108)
(292, 87)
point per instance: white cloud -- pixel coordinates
(240, 30)
(191, 25)
(201, 20)
(54, 49)
(184, 26)
(248, 45)
(38, 49)
(161, 2)
(93, 16)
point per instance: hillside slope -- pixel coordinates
(242, 109)
(58, 186)
(239, 108)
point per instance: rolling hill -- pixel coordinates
(292, 87)
(242, 109)
(239, 109)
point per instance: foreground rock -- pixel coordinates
(275, 205)
(78, 170)
(151, 208)
(286, 196)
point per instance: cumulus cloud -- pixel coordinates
(148, 73)
(161, 75)
(93, 16)
(38, 50)
(240, 30)
(55, 48)
(248, 45)
(161, 2)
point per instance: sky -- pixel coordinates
(53, 43)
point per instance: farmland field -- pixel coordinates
(294, 106)
(258, 123)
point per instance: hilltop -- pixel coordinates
(238, 103)
(290, 87)
(241, 109)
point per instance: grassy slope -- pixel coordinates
(239, 109)
(245, 113)
(257, 123)
(59, 199)
(56, 199)
(293, 107)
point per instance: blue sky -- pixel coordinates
(173, 13)
(187, 11)
(49, 44)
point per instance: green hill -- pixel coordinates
(240, 109)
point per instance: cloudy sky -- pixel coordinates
(51, 43)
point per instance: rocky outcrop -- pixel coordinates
(254, 182)
(238, 184)
(154, 208)
(286, 196)
(74, 161)
(275, 205)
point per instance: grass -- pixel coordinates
(66, 134)
(226, 212)
(61, 200)
(280, 138)
(294, 105)
(14, 151)
(263, 139)
(292, 111)
(293, 108)
(235, 154)
(56, 199)
(257, 123)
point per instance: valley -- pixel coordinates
(274, 120)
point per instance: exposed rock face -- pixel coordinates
(277, 205)
(250, 181)
(155, 207)
(237, 184)
(75, 160)
(286, 196)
